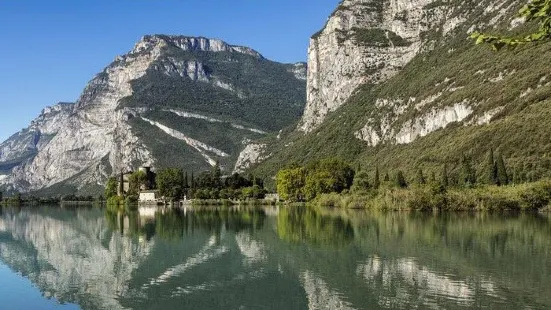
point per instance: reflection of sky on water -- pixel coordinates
(18, 293)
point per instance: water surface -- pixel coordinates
(213, 258)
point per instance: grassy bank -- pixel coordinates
(534, 196)
(229, 202)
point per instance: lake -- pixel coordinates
(272, 258)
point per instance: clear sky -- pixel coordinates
(50, 49)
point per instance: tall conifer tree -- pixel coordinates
(502, 177)
(376, 181)
(420, 177)
(444, 177)
(491, 169)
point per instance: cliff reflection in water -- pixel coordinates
(288, 258)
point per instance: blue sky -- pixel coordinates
(50, 49)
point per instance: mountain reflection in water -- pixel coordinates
(288, 258)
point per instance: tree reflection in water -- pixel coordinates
(297, 224)
(173, 224)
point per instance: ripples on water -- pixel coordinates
(275, 259)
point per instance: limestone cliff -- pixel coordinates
(370, 41)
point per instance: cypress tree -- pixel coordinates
(502, 177)
(491, 169)
(420, 177)
(387, 177)
(467, 176)
(192, 181)
(444, 178)
(376, 181)
(186, 183)
(401, 180)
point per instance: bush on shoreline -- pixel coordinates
(530, 197)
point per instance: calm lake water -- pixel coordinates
(86, 258)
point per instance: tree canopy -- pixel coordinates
(535, 10)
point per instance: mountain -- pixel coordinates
(399, 84)
(172, 101)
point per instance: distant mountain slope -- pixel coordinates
(398, 84)
(171, 101)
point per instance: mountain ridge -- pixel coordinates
(118, 121)
(451, 99)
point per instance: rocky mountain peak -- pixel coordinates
(159, 88)
(149, 42)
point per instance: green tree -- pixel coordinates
(111, 187)
(331, 175)
(377, 180)
(535, 10)
(170, 183)
(420, 178)
(361, 181)
(216, 176)
(135, 182)
(400, 179)
(491, 169)
(253, 192)
(444, 180)
(502, 177)
(387, 177)
(318, 182)
(467, 175)
(290, 184)
(236, 181)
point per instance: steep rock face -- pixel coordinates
(364, 41)
(23, 145)
(120, 120)
(431, 96)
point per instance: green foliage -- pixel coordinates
(170, 183)
(262, 89)
(530, 196)
(467, 173)
(236, 181)
(111, 187)
(378, 37)
(535, 10)
(115, 203)
(502, 176)
(330, 175)
(444, 180)
(491, 169)
(290, 184)
(376, 180)
(400, 179)
(361, 182)
(420, 178)
(136, 180)
(253, 192)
